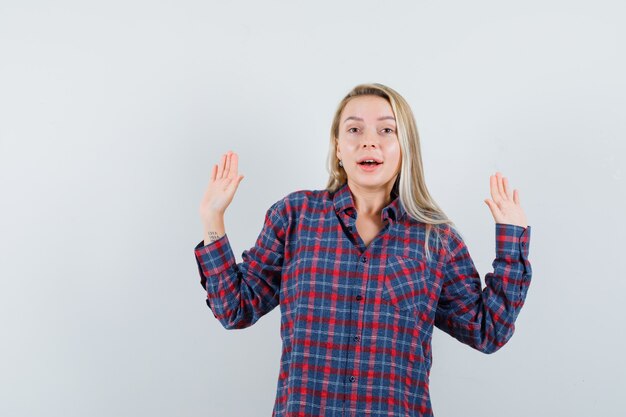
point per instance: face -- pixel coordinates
(368, 130)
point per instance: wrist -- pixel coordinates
(213, 228)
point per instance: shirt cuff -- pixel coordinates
(512, 240)
(216, 257)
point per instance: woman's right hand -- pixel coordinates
(222, 186)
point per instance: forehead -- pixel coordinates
(368, 108)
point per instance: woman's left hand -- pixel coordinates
(505, 207)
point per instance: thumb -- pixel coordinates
(236, 182)
(492, 207)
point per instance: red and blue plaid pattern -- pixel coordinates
(356, 321)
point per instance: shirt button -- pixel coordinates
(359, 297)
(352, 378)
(364, 259)
(357, 338)
(523, 243)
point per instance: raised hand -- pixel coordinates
(222, 186)
(505, 207)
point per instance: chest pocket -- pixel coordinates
(405, 282)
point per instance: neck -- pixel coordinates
(370, 201)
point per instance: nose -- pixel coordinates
(369, 139)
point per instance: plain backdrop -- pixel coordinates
(112, 114)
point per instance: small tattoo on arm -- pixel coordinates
(213, 236)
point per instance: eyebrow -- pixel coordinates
(360, 119)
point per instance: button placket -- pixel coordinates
(355, 317)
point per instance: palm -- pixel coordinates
(504, 205)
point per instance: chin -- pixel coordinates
(369, 182)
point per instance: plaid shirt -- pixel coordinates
(357, 321)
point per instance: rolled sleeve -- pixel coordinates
(214, 258)
(512, 240)
(512, 269)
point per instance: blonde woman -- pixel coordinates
(364, 269)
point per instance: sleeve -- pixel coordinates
(240, 294)
(485, 318)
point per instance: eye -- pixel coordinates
(353, 130)
(388, 130)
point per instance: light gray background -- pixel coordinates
(112, 114)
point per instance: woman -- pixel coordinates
(364, 269)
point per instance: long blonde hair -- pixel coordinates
(409, 185)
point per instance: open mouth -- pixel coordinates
(370, 162)
(369, 165)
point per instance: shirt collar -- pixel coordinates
(344, 202)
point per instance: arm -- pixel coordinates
(484, 318)
(240, 294)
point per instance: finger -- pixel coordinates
(234, 163)
(213, 172)
(500, 185)
(516, 197)
(493, 188)
(505, 187)
(227, 169)
(220, 167)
